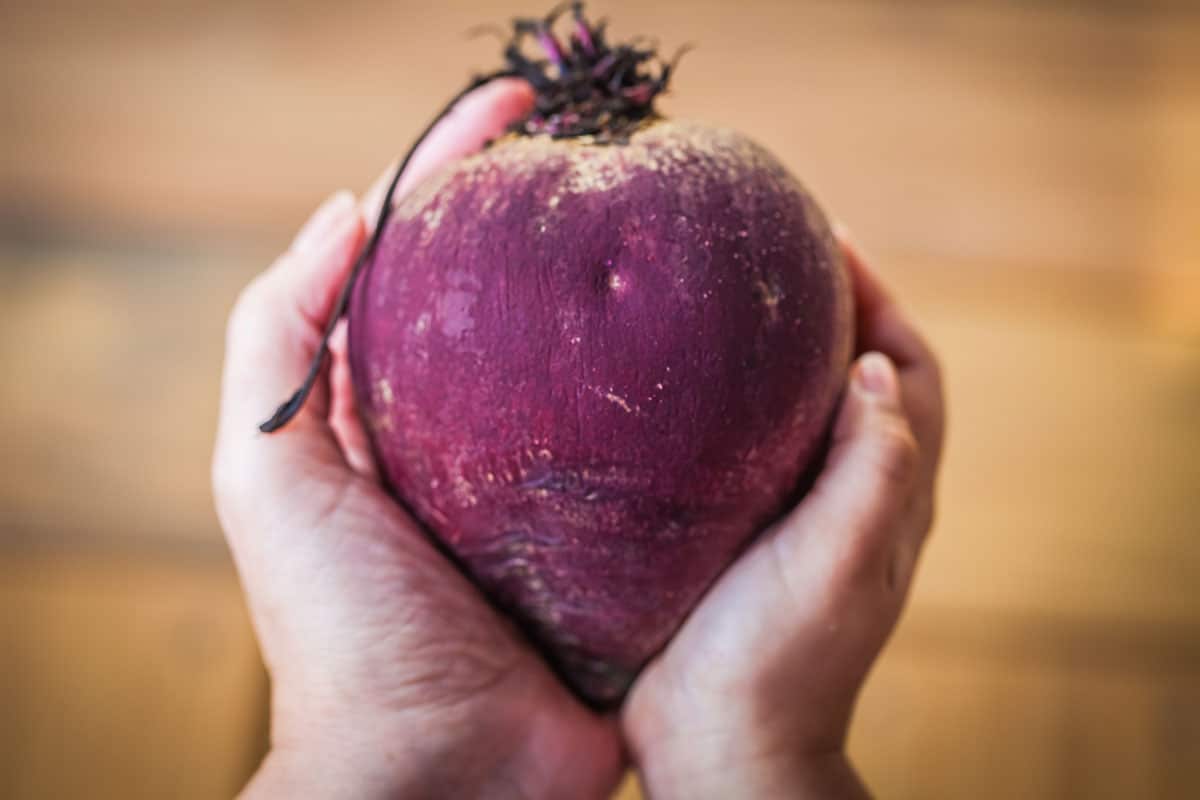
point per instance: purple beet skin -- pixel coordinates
(596, 371)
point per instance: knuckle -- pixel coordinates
(897, 579)
(246, 312)
(938, 388)
(896, 453)
(936, 370)
(924, 512)
(228, 491)
(238, 486)
(861, 563)
(873, 585)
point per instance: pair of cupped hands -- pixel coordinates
(393, 677)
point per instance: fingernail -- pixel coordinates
(876, 376)
(317, 227)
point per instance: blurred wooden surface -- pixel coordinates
(130, 678)
(1027, 176)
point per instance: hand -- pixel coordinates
(753, 696)
(391, 676)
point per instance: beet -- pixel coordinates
(596, 358)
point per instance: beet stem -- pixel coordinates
(582, 32)
(600, 90)
(288, 410)
(596, 89)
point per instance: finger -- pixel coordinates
(343, 413)
(848, 525)
(477, 118)
(279, 318)
(884, 327)
(307, 278)
(481, 116)
(273, 334)
(372, 199)
(881, 324)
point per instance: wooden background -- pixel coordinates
(1027, 175)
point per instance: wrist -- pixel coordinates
(715, 753)
(746, 740)
(287, 772)
(453, 752)
(327, 747)
(827, 776)
(416, 762)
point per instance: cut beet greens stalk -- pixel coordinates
(597, 357)
(590, 90)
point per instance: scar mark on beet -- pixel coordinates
(386, 395)
(616, 399)
(770, 296)
(613, 398)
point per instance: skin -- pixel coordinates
(596, 418)
(392, 677)
(754, 695)
(390, 674)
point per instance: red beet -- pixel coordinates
(595, 370)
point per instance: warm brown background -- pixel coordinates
(1028, 175)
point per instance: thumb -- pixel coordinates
(481, 116)
(846, 526)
